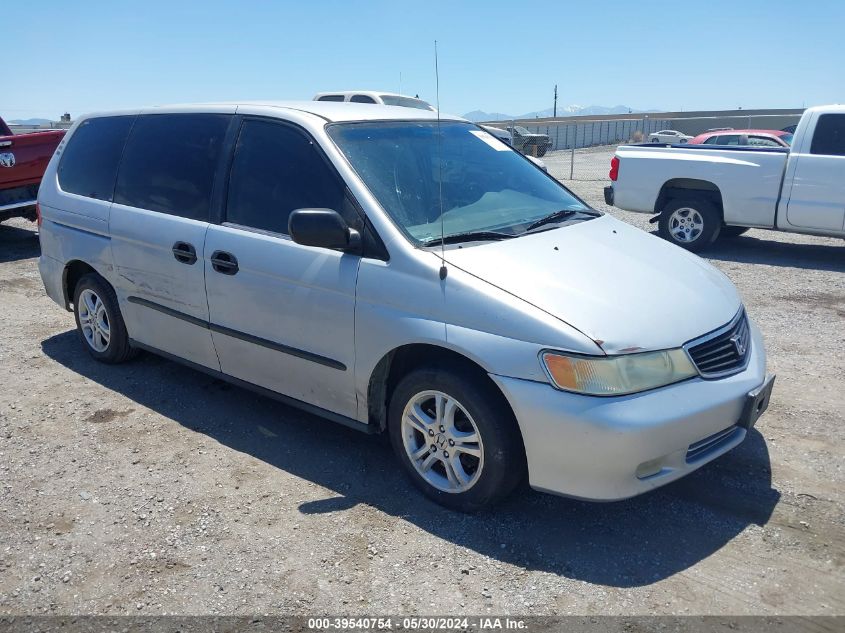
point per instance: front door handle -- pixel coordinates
(185, 253)
(224, 262)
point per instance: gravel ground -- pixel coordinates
(150, 488)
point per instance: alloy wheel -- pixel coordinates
(686, 225)
(442, 441)
(94, 320)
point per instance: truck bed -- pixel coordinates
(747, 179)
(23, 159)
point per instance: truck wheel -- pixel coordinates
(733, 231)
(541, 151)
(99, 322)
(456, 438)
(691, 223)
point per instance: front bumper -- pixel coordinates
(606, 449)
(608, 195)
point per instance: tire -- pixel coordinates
(655, 140)
(692, 223)
(490, 468)
(99, 323)
(733, 231)
(541, 151)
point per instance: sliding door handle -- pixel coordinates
(184, 253)
(224, 262)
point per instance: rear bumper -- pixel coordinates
(52, 272)
(608, 195)
(606, 449)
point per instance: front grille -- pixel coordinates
(724, 351)
(711, 443)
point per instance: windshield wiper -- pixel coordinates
(469, 236)
(558, 216)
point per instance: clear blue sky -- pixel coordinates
(495, 56)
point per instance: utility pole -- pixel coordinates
(554, 112)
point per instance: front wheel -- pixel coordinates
(691, 223)
(456, 437)
(541, 151)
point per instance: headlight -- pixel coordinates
(617, 375)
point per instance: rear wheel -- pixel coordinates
(456, 438)
(692, 223)
(541, 151)
(99, 322)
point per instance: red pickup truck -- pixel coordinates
(23, 159)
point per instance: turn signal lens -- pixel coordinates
(617, 375)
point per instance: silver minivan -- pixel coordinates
(398, 272)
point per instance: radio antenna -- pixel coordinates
(439, 167)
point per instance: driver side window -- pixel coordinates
(276, 170)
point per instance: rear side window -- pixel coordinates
(90, 160)
(169, 163)
(763, 141)
(331, 98)
(362, 99)
(276, 170)
(829, 137)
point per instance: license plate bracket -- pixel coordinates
(756, 403)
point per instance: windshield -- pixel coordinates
(522, 130)
(405, 102)
(786, 138)
(486, 186)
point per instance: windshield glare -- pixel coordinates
(486, 186)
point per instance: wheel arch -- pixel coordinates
(73, 271)
(680, 187)
(399, 361)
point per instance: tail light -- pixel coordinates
(614, 168)
(38, 214)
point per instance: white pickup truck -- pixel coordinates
(701, 191)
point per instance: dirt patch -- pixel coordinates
(101, 416)
(826, 300)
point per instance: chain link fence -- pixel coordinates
(581, 150)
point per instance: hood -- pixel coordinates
(625, 289)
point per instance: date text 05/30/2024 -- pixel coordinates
(415, 624)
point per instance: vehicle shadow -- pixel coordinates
(17, 243)
(623, 544)
(754, 250)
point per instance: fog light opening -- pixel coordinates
(650, 468)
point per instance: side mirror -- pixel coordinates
(323, 228)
